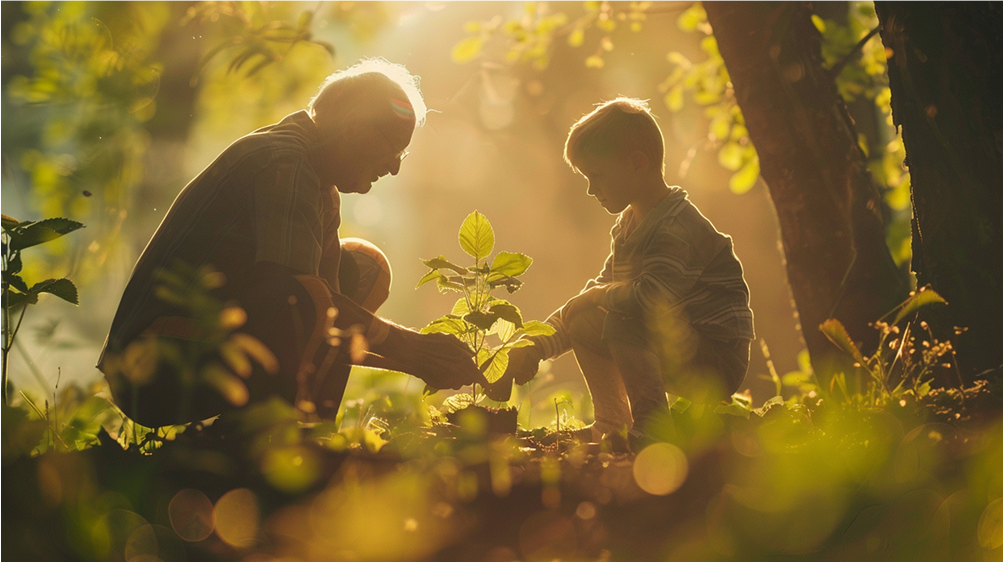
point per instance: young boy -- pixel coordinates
(670, 309)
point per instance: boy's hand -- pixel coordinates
(523, 364)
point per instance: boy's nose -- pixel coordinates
(589, 188)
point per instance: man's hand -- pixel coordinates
(440, 360)
(523, 364)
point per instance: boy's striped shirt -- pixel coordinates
(673, 263)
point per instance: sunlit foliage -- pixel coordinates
(860, 72)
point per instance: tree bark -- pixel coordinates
(828, 208)
(945, 76)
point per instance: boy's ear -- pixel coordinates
(639, 161)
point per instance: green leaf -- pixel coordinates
(457, 402)
(835, 331)
(14, 266)
(460, 308)
(16, 299)
(15, 281)
(921, 298)
(9, 223)
(511, 284)
(504, 329)
(432, 275)
(520, 344)
(819, 23)
(442, 262)
(691, 18)
(537, 328)
(476, 236)
(467, 49)
(511, 263)
(306, 17)
(21, 433)
(776, 400)
(507, 311)
(496, 365)
(43, 231)
(449, 284)
(484, 321)
(743, 180)
(674, 98)
(61, 288)
(446, 325)
(737, 407)
(730, 156)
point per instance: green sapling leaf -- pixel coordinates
(477, 237)
(442, 262)
(432, 275)
(510, 263)
(507, 311)
(496, 364)
(537, 328)
(448, 284)
(446, 325)
(484, 321)
(460, 308)
(504, 329)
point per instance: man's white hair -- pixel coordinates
(345, 92)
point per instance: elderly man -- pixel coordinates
(265, 214)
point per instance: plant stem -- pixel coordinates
(6, 333)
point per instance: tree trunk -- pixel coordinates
(945, 76)
(828, 208)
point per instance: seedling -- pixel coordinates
(479, 315)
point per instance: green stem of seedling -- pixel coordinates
(6, 327)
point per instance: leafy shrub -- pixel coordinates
(17, 236)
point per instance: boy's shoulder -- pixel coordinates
(681, 220)
(679, 212)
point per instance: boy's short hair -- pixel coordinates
(352, 93)
(614, 128)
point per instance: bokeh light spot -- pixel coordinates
(660, 469)
(142, 545)
(237, 518)
(292, 469)
(191, 515)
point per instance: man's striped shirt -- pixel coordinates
(259, 201)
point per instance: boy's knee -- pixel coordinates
(586, 329)
(364, 273)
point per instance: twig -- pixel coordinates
(855, 50)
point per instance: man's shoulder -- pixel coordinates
(290, 138)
